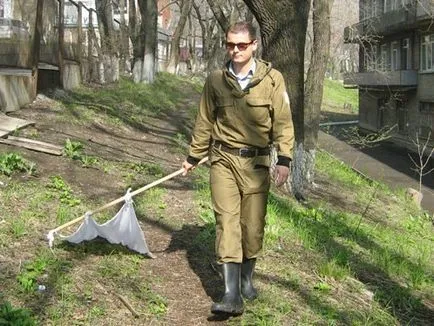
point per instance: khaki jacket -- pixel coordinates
(256, 116)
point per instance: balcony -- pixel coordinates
(403, 78)
(13, 29)
(385, 24)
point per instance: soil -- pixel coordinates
(188, 279)
(189, 283)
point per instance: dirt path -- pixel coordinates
(186, 277)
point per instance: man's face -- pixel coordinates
(240, 47)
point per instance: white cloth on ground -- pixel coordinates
(123, 229)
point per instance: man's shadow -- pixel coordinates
(198, 242)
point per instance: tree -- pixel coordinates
(423, 157)
(110, 64)
(124, 37)
(343, 57)
(205, 31)
(134, 30)
(219, 14)
(283, 29)
(314, 90)
(36, 42)
(176, 37)
(146, 64)
(225, 13)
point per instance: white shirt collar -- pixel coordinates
(250, 73)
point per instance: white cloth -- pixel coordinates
(123, 228)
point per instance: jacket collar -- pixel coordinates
(262, 70)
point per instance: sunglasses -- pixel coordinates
(240, 46)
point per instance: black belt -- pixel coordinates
(243, 152)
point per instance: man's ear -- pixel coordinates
(255, 45)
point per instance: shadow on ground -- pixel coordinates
(391, 295)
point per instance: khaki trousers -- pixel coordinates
(239, 191)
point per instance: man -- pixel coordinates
(244, 109)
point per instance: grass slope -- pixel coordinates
(355, 254)
(339, 103)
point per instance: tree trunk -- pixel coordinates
(61, 49)
(314, 85)
(36, 42)
(203, 30)
(94, 74)
(134, 31)
(283, 31)
(217, 52)
(176, 37)
(219, 14)
(149, 33)
(136, 40)
(110, 64)
(191, 39)
(124, 39)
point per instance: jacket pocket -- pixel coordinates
(259, 109)
(224, 108)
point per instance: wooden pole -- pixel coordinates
(121, 199)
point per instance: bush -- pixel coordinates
(11, 162)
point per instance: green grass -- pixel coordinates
(10, 315)
(333, 249)
(358, 255)
(335, 95)
(127, 103)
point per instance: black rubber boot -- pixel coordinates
(232, 302)
(247, 289)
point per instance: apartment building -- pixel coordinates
(396, 68)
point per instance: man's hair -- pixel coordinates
(242, 27)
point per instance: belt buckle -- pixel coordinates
(244, 152)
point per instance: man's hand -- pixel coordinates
(187, 167)
(281, 174)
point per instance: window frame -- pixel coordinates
(406, 47)
(426, 107)
(395, 56)
(385, 57)
(427, 53)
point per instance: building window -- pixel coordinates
(426, 107)
(427, 53)
(370, 57)
(369, 9)
(390, 5)
(396, 64)
(6, 8)
(70, 14)
(384, 57)
(381, 108)
(406, 54)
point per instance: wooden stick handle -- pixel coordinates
(121, 199)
